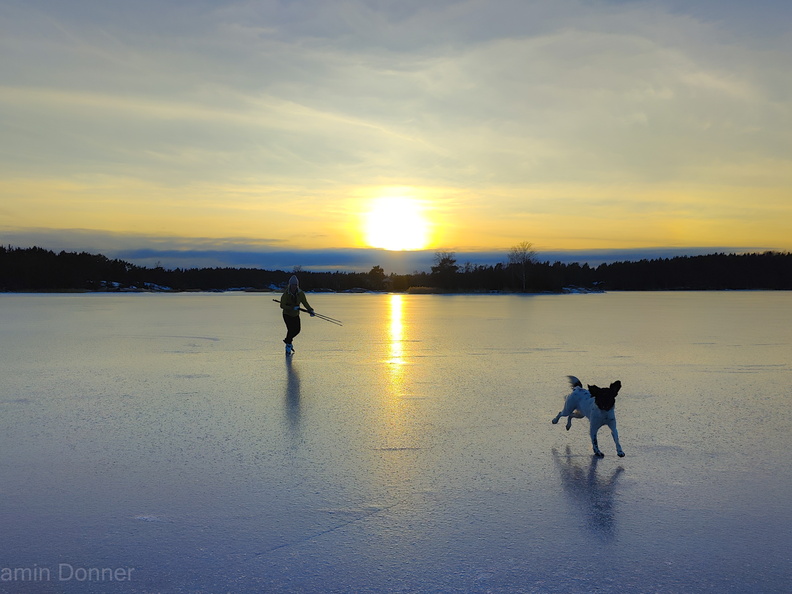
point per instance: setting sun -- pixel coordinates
(396, 223)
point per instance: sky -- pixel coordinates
(264, 133)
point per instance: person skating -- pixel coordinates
(290, 302)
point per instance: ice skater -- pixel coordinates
(290, 302)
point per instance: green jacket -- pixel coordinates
(290, 303)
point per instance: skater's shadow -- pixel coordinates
(292, 397)
(591, 493)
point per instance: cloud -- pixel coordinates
(514, 92)
(241, 252)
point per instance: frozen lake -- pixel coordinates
(163, 443)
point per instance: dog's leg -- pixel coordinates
(576, 414)
(565, 412)
(594, 443)
(615, 434)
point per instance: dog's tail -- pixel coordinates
(574, 382)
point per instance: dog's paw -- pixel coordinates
(555, 421)
(599, 454)
(621, 454)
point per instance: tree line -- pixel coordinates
(38, 269)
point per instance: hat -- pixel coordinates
(293, 280)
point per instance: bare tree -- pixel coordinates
(521, 256)
(445, 270)
(376, 278)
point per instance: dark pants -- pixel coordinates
(292, 327)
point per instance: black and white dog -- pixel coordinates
(596, 404)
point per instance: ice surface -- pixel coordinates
(409, 450)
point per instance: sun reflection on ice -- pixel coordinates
(396, 333)
(396, 365)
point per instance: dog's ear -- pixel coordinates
(593, 389)
(616, 386)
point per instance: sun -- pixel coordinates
(396, 223)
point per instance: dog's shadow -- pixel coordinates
(589, 491)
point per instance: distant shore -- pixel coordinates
(42, 271)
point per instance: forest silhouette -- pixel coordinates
(36, 269)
